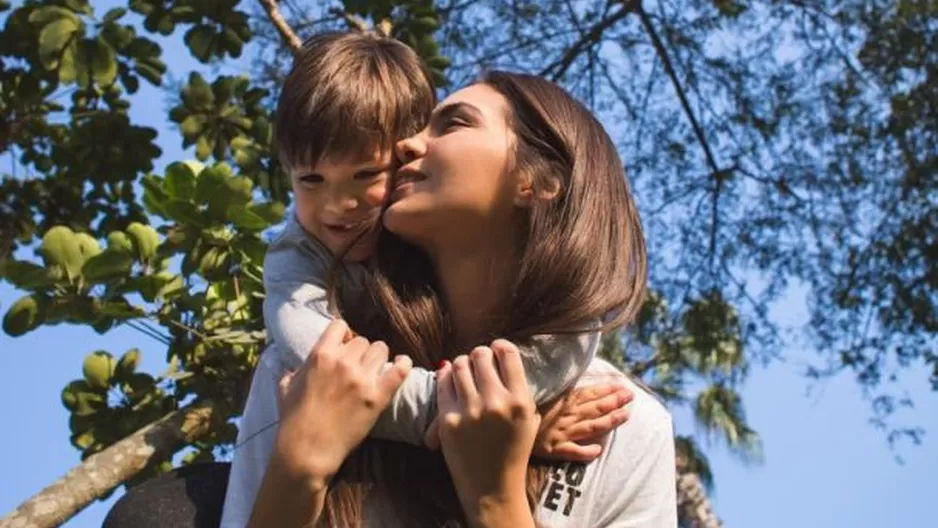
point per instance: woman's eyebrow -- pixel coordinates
(447, 111)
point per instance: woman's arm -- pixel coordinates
(488, 422)
(327, 408)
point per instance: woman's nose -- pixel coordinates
(411, 148)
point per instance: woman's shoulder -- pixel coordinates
(632, 481)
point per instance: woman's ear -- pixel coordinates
(526, 194)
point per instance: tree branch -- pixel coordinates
(286, 32)
(556, 69)
(106, 470)
(718, 174)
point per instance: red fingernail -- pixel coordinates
(441, 364)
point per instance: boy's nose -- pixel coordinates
(411, 148)
(341, 203)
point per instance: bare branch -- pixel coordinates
(556, 69)
(286, 32)
(718, 174)
(106, 470)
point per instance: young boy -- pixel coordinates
(348, 98)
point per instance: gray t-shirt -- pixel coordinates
(631, 485)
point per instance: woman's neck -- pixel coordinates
(474, 286)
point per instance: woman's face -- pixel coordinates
(454, 185)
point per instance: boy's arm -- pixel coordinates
(295, 314)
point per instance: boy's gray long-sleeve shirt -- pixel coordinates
(296, 271)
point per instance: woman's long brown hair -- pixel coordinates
(582, 259)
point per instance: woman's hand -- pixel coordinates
(487, 424)
(329, 405)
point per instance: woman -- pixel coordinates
(510, 218)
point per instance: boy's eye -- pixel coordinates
(369, 175)
(310, 179)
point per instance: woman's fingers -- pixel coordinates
(334, 335)
(393, 377)
(486, 375)
(375, 357)
(510, 366)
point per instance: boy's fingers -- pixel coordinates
(604, 405)
(283, 386)
(594, 392)
(510, 366)
(432, 437)
(466, 391)
(575, 452)
(597, 427)
(445, 390)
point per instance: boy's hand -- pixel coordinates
(573, 426)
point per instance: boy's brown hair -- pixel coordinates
(349, 95)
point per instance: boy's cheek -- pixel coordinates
(376, 194)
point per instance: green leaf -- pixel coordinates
(198, 95)
(103, 63)
(60, 247)
(272, 212)
(145, 240)
(71, 391)
(44, 15)
(114, 14)
(180, 180)
(184, 212)
(241, 217)
(192, 125)
(203, 147)
(89, 403)
(119, 308)
(88, 245)
(210, 179)
(52, 40)
(108, 265)
(119, 242)
(214, 262)
(27, 313)
(201, 41)
(150, 73)
(97, 368)
(24, 275)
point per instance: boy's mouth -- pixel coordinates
(348, 227)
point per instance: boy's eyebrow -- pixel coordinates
(447, 111)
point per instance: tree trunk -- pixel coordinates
(693, 505)
(106, 470)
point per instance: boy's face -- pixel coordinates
(337, 201)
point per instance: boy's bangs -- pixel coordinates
(355, 120)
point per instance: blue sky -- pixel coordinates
(825, 465)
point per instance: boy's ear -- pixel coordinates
(526, 194)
